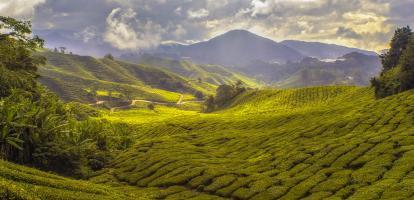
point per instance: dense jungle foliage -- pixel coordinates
(39, 130)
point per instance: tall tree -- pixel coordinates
(398, 65)
(398, 44)
(16, 46)
(407, 67)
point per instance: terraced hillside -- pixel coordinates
(73, 77)
(312, 143)
(17, 182)
(213, 74)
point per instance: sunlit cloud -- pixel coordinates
(367, 24)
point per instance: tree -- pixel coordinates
(398, 45)
(62, 49)
(109, 56)
(55, 50)
(199, 95)
(224, 93)
(209, 104)
(398, 65)
(151, 106)
(16, 45)
(407, 67)
(94, 91)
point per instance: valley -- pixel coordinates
(131, 109)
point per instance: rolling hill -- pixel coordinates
(312, 143)
(350, 69)
(213, 74)
(73, 77)
(322, 50)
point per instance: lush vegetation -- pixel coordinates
(87, 79)
(22, 183)
(224, 94)
(331, 142)
(312, 143)
(398, 65)
(37, 129)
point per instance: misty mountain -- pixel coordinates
(233, 48)
(322, 50)
(351, 69)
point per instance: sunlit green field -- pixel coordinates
(312, 143)
(18, 182)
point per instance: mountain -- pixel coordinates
(350, 69)
(322, 50)
(213, 74)
(233, 48)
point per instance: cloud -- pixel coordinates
(121, 33)
(87, 34)
(19, 8)
(365, 24)
(197, 14)
(348, 33)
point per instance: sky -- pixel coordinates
(95, 26)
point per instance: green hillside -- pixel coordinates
(73, 77)
(311, 143)
(213, 74)
(21, 183)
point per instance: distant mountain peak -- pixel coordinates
(242, 35)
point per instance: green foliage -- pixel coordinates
(398, 65)
(309, 143)
(398, 44)
(82, 78)
(36, 128)
(109, 56)
(22, 183)
(224, 94)
(16, 47)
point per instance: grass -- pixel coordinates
(313, 143)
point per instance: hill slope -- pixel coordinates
(312, 143)
(213, 74)
(73, 77)
(18, 182)
(350, 69)
(322, 50)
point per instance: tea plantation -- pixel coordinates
(311, 143)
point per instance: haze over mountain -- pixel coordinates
(283, 64)
(233, 48)
(322, 50)
(239, 47)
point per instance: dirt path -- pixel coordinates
(180, 100)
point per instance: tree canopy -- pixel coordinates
(398, 65)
